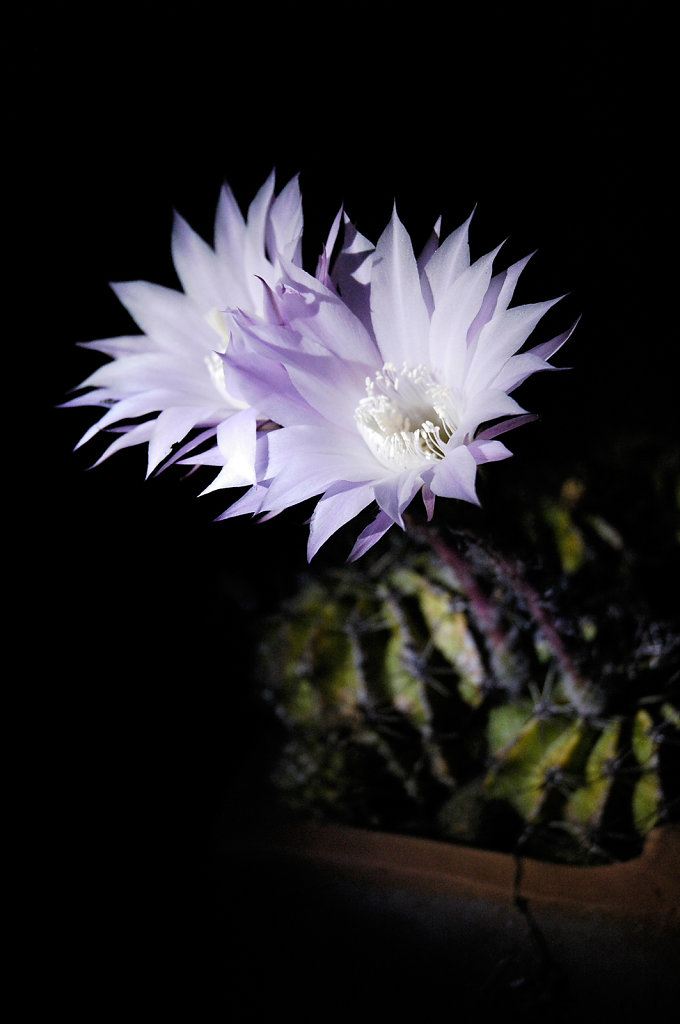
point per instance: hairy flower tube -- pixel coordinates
(389, 377)
(161, 385)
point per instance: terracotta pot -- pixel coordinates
(411, 922)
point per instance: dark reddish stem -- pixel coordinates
(582, 693)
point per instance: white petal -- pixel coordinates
(130, 408)
(449, 261)
(172, 425)
(398, 311)
(338, 505)
(168, 317)
(201, 275)
(497, 298)
(517, 369)
(488, 451)
(487, 405)
(138, 434)
(351, 273)
(370, 536)
(230, 242)
(454, 476)
(452, 317)
(500, 339)
(284, 227)
(396, 494)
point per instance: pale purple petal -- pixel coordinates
(499, 293)
(549, 348)
(502, 428)
(517, 369)
(452, 318)
(236, 439)
(454, 476)
(482, 407)
(284, 224)
(338, 505)
(500, 339)
(128, 344)
(129, 408)
(398, 311)
(200, 272)
(139, 434)
(488, 451)
(395, 494)
(323, 273)
(166, 316)
(171, 426)
(448, 262)
(307, 304)
(370, 536)
(429, 248)
(329, 385)
(304, 461)
(429, 499)
(230, 244)
(248, 504)
(351, 273)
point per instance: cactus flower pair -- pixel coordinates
(378, 377)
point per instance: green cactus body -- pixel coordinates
(394, 717)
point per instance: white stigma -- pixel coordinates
(406, 418)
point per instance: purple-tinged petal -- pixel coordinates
(128, 344)
(429, 248)
(171, 426)
(499, 293)
(200, 273)
(284, 224)
(448, 262)
(256, 230)
(429, 498)
(488, 451)
(193, 443)
(396, 494)
(236, 439)
(139, 434)
(338, 505)
(351, 273)
(305, 461)
(325, 318)
(260, 379)
(500, 339)
(484, 406)
(167, 317)
(323, 264)
(549, 348)
(330, 386)
(452, 318)
(454, 476)
(129, 408)
(496, 429)
(370, 536)
(398, 312)
(230, 244)
(517, 369)
(249, 503)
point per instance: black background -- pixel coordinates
(132, 706)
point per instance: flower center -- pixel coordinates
(406, 417)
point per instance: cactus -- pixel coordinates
(439, 696)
